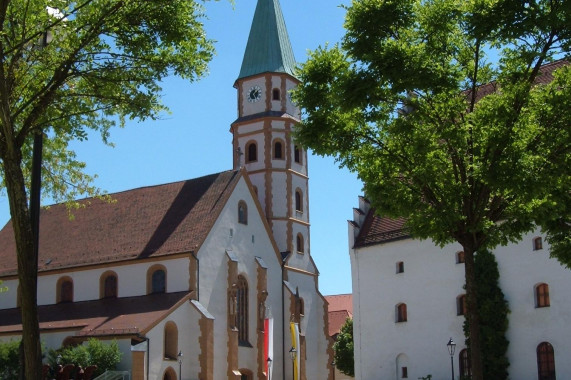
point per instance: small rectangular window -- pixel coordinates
(400, 267)
(404, 372)
(537, 244)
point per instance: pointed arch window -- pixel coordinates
(65, 290)
(542, 295)
(464, 364)
(242, 310)
(170, 374)
(401, 313)
(242, 212)
(545, 362)
(251, 152)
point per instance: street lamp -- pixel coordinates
(179, 365)
(269, 367)
(292, 354)
(451, 347)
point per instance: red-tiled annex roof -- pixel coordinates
(544, 76)
(376, 230)
(104, 317)
(145, 222)
(340, 308)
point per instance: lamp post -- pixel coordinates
(269, 367)
(451, 347)
(179, 365)
(292, 354)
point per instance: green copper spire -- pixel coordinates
(268, 48)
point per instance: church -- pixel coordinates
(209, 278)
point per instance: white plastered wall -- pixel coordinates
(429, 286)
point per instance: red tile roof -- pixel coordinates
(109, 317)
(377, 230)
(340, 302)
(544, 76)
(145, 222)
(340, 308)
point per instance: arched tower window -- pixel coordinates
(171, 340)
(278, 150)
(297, 154)
(465, 364)
(298, 200)
(251, 152)
(542, 295)
(545, 362)
(275, 94)
(242, 311)
(242, 212)
(401, 314)
(300, 246)
(65, 290)
(108, 285)
(156, 279)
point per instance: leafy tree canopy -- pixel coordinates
(70, 67)
(443, 110)
(343, 349)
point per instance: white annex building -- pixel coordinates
(215, 267)
(407, 304)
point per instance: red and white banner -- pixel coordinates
(269, 345)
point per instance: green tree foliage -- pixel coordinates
(493, 311)
(9, 360)
(94, 352)
(343, 349)
(463, 144)
(71, 67)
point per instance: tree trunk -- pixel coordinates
(472, 315)
(27, 264)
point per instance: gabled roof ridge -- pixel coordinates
(147, 222)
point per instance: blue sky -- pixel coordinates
(194, 139)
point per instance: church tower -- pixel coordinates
(262, 134)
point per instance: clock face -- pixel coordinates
(254, 94)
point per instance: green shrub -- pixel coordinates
(94, 352)
(9, 360)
